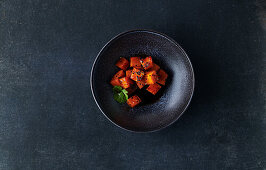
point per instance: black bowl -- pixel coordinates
(156, 112)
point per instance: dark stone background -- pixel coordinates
(49, 120)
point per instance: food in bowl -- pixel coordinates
(134, 75)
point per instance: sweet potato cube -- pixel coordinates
(133, 101)
(162, 76)
(141, 83)
(128, 73)
(136, 74)
(155, 67)
(154, 88)
(122, 63)
(135, 62)
(125, 82)
(115, 82)
(151, 77)
(119, 74)
(147, 63)
(115, 79)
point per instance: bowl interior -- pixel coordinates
(157, 111)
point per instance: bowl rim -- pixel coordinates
(159, 34)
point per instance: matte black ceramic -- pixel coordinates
(157, 111)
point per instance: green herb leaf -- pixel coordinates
(124, 91)
(117, 89)
(120, 97)
(120, 94)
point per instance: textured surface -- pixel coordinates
(154, 112)
(48, 119)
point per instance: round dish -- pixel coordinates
(168, 105)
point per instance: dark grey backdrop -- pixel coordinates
(48, 119)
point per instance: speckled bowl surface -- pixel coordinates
(156, 112)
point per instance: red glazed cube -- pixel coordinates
(155, 67)
(115, 82)
(128, 73)
(154, 88)
(119, 74)
(125, 82)
(135, 62)
(122, 63)
(141, 83)
(151, 77)
(136, 74)
(115, 79)
(162, 75)
(133, 101)
(147, 63)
